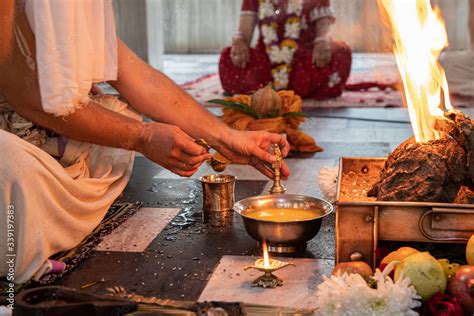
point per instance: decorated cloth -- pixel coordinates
(283, 54)
(299, 140)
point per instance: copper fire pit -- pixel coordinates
(362, 222)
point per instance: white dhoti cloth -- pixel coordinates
(56, 203)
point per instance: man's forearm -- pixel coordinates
(92, 124)
(158, 97)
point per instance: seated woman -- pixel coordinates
(294, 50)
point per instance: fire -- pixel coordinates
(266, 260)
(419, 35)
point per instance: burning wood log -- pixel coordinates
(433, 171)
(460, 127)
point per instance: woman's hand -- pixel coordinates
(321, 52)
(170, 147)
(252, 148)
(239, 52)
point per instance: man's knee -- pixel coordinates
(15, 157)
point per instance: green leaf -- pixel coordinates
(236, 106)
(273, 114)
(294, 114)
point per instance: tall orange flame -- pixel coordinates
(419, 37)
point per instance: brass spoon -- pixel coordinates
(216, 165)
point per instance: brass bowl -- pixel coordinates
(283, 237)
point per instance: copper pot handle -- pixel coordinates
(437, 211)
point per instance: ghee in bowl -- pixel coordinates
(276, 214)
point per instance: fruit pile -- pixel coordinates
(445, 288)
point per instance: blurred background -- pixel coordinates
(158, 29)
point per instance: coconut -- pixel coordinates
(266, 101)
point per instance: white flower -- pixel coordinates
(295, 7)
(287, 53)
(281, 78)
(334, 79)
(350, 295)
(279, 55)
(266, 10)
(274, 54)
(269, 34)
(328, 182)
(292, 30)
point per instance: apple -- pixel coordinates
(357, 267)
(461, 286)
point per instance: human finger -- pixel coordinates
(187, 146)
(183, 173)
(281, 141)
(285, 171)
(194, 160)
(184, 166)
(264, 170)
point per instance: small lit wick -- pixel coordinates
(266, 260)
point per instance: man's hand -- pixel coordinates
(239, 52)
(170, 147)
(253, 148)
(322, 52)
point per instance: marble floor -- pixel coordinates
(177, 261)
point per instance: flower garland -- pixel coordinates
(281, 52)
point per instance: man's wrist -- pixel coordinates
(143, 137)
(222, 139)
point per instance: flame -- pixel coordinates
(266, 260)
(419, 35)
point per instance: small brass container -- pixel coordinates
(218, 199)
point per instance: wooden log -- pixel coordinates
(423, 172)
(460, 127)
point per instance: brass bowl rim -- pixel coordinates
(327, 211)
(230, 178)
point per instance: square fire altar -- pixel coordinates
(361, 221)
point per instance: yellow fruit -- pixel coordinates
(449, 268)
(357, 267)
(399, 254)
(425, 272)
(470, 251)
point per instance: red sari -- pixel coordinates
(304, 77)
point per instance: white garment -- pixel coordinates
(459, 68)
(56, 204)
(76, 45)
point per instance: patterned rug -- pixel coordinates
(115, 216)
(373, 83)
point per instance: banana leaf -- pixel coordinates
(236, 106)
(294, 114)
